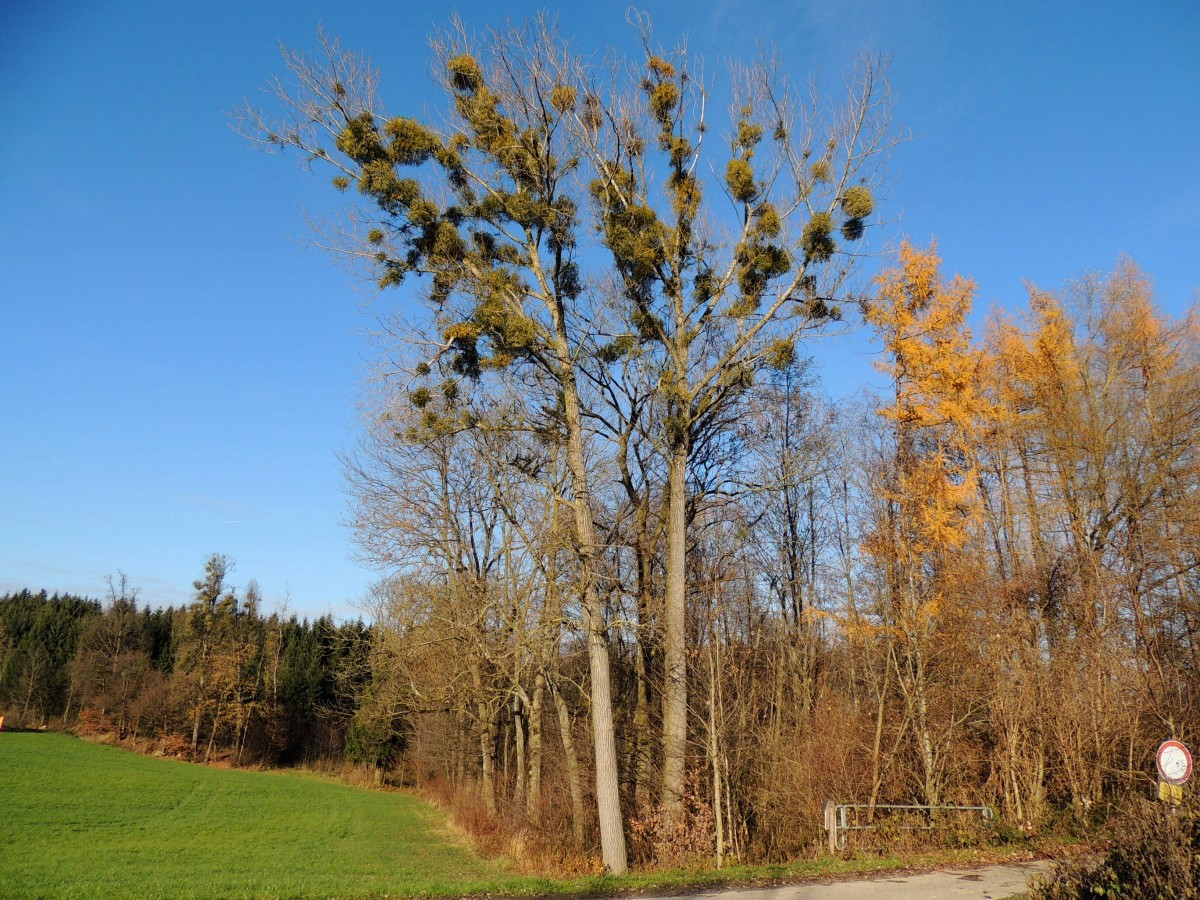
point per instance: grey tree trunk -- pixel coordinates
(608, 798)
(924, 732)
(196, 729)
(487, 743)
(533, 799)
(674, 642)
(641, 729)
(518, 726)
(573, 782)
(714, 752)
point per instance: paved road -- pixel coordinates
(992, 882)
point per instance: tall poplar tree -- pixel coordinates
(550, 180)
(721, 281)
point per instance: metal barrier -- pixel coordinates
(843, 817)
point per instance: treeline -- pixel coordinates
(214, 679)
(979, 589)
(647, 585)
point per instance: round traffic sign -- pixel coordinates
(1174, 762)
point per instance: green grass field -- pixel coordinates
(84, 820)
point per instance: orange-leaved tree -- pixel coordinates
(931, 490)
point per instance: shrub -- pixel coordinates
(93, 723)
(1154, 853)
(374, 740)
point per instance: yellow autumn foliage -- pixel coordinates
(938, 411)
(938, 407)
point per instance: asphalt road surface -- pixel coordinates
(991, 882)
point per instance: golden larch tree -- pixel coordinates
(931, 491)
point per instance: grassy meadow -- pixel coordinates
(86, 820)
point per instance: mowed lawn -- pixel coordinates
(78, 819)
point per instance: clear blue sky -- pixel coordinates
(177, 372)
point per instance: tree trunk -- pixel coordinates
(533, 799)
(518, 727)
(573, 782)
(608, 783)
(714, 751)
(877, 746)
(458, 772)
(486, 726)
(243, 730)
(643, 741)
(212, 738)
(487, 758)
(641, 728)
(67, 708)
(675, 646)
(924, 732)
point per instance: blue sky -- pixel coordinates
(178, 371)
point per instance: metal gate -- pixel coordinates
(841, 818)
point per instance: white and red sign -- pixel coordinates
(1174, 762)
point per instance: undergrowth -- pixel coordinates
(1154, 852)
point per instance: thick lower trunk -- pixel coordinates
(32, 684)
(67, 708)
(243, 730)
(608, 798)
